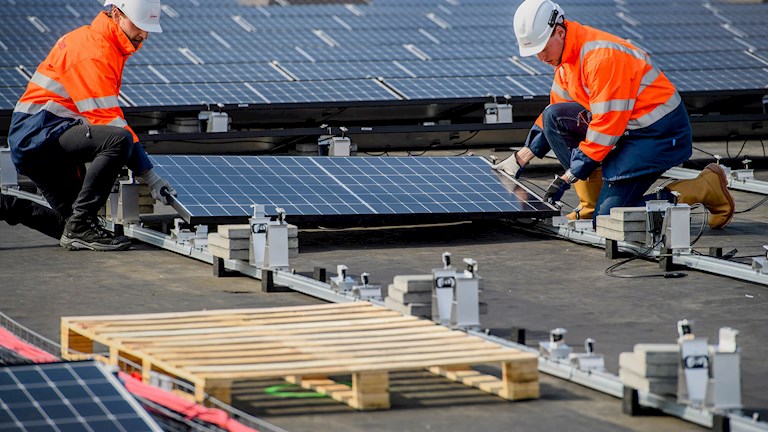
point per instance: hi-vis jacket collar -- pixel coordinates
(107, 27)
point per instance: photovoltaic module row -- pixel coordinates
(384, 51)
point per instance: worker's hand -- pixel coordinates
(556, 190)
(160, 189)
(509, 166)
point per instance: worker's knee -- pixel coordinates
(120, 143)
(608, 203)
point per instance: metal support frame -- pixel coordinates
(610, 384)
(698, 262)
(297, 282)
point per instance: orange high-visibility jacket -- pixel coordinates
(615, 81)
(78, 83)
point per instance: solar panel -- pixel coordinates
(30, 59)
(65, 397)
(218, 188)
(205, 73)
(155, 95)
(722, 79)
(723, 60)
(473, 50)
(9, 96)
(696, 45)
(11, 77)
(342, 70)
(321, 91)
(468, 68)
(472, 87)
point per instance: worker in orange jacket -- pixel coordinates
(70, 115)
(615, 122)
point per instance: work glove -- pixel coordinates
(160, 189)
(556, 190)
(509, 166)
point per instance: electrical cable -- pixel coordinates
(610, 271)
(705, 152)
(727, 151)
(759, 203)
(703, 222)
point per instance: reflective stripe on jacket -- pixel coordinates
(625, 92)
(77, 83)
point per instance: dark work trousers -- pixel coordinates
(74, 192)
(16, 210)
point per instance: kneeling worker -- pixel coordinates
(70, 115)
(615, 122)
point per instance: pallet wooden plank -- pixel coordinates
(307, 332)
(332, 368)
(216, 351)
(312, 327)
(230, 320)
(415, 330)
(387, 317)
(161, 315)
(296, 355)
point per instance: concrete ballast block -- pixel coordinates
(409, 297)
(634, 236)
(242, 231)
(241, 254)
(637, 364)
(415, 309)
(228, 243)
(414, 283)
(619, 225)
(653, 385)
(628, 214)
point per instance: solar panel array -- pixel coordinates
(390, 50)
(216, 188)
(68, 397)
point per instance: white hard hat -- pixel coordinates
(534, 22)
(145, 14)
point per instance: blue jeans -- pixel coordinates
(628, 193)
(565, 126)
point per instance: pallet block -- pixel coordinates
(303, 345)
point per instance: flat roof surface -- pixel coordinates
(531, 281)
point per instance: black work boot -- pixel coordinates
(16, 210)
(88, 233)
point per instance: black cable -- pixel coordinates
(611, 269)
(759, 203)
(703, 223)
(728, 153)
(705, 152)
(408, 152)
(470, 137)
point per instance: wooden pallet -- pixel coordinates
(303, 345)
